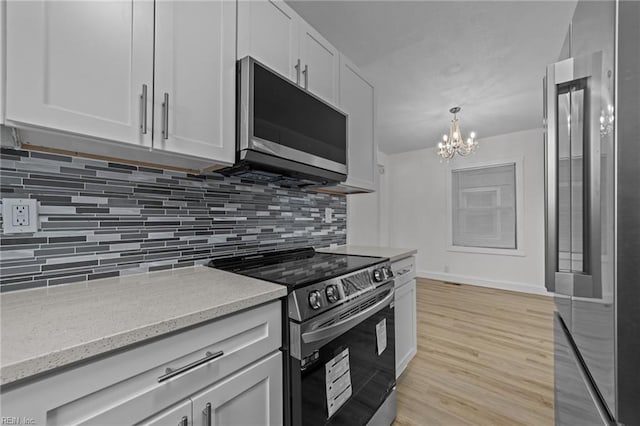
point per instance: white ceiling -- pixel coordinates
(426, 56)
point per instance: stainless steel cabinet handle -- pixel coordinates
(184, 421)
(297, 67)
(403, 271)
(143, 110)
(170, 372)
(306, 76)
(165, 117)
(207, 414)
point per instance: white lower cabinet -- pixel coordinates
(405, 312)
(179, 415)
(406, 343)
(252, 397)
(233, 363)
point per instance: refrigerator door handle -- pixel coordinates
(551, 178)
(585, 72)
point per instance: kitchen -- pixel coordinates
(239, 213)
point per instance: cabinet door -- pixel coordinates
(406, 339)
(251, 397)
(268, 31)
(194, 93)
(178, 415)
(320, 64)
(80, 67)
(357, 100)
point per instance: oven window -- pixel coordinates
(372, 375)
(286, 115)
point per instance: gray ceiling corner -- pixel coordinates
(426, 56)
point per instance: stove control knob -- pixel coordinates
(332, 293)
(388, 273)
(377, 275)
(315, 299)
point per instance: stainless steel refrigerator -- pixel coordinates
(592, 182)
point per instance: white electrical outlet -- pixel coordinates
(328, 215)
(19, 215)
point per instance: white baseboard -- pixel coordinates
(481, 282)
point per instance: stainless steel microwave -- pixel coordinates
(283, 129)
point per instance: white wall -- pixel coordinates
(417, 198)
(368, 214)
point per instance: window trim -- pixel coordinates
(520, 207)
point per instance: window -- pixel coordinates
(483, 207)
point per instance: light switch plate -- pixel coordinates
(19, 215)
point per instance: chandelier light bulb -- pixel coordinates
(455, 135)
(445, 137)
(473, 135)
(440, 145)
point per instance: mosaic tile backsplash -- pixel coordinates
(101, 219)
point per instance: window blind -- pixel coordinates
(484, 206)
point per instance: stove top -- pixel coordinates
(295, 268)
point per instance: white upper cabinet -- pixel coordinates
(80, 66)
(268, 31)
(88, 68)
(357, 100)
(194, 93)
(320, 63)
(271, 32)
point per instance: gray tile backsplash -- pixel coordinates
(101, 219)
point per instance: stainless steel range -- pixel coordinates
(339, 334)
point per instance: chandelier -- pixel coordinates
(454, 142)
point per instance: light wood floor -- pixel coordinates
(485, 357)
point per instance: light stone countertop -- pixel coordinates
(46, 328)
(392, 253)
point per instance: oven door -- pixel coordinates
(347, 370)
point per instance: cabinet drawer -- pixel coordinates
(404, 270)
(126, 388)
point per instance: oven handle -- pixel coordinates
(344, 325)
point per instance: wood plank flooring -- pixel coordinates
(485, 357)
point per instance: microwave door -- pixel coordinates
(574, 190)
